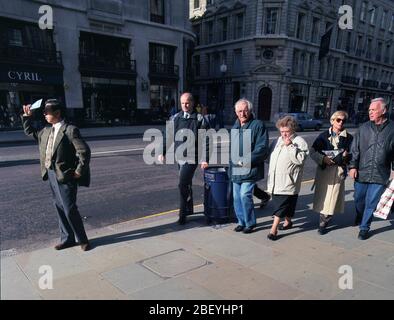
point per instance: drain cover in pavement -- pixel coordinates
(173, 263)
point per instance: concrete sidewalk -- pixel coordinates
(154, 258)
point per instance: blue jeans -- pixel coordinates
(243, 203)
(366, 198)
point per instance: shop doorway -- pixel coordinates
(265, 104)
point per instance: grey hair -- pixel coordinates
(382, 100)
(247, 102)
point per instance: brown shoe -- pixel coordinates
(62, 246)
(85, 246)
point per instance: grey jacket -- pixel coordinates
(373, 152)
(70, 152)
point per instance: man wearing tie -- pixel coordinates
(188, 118)
(64, 159)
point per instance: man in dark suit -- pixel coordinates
(189, 119)
(64, 158)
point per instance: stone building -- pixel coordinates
(111, 61)
(268, 51)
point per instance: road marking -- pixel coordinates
(196, 206)
(117, 151)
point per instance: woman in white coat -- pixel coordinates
(285, 173)
(329, 197)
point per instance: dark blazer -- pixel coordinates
(70, 152)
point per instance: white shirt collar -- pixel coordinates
(58, 125)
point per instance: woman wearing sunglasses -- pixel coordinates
(331, 153)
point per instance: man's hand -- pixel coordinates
(328, 161)
(353, 173)
(26, 110)
(204, 165)
(161, 158)
(76, 175)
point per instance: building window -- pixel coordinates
(363, 12)
(302, 64)
(271, 20)
(348, 41)
(196, 4)
(157, 11)
(239, 26)
(379, 52)
(383, 21)
(373, 15)
(209, 32)
(196, 65)
(312, 58)
(223, 23)
(15, 37)
(392, 23)
(197, 31)
(237, 61)
(369, 49)
(161, 54)
(359, 50)
(387, 55)
(339, 39)
(208, 64)
(295, 62)
(301, 26)
(315, 30)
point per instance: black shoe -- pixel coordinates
(249, 229)
(363, 235)
(182, 220)
(321, 230)
(272, 237)
(286, 227)
(66, 245)
(85, 246)
(239, 228)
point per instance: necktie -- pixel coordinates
(186, 115)
(49, 151)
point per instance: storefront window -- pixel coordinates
(161, 99)
(299, 95)
(323, 107)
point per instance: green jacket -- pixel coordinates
(252, 169)
(70, 152)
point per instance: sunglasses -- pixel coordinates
(340, 120)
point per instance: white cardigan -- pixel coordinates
(286, 166)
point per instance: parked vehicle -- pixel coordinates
(304, 120)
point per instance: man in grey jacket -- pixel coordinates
(372, 160)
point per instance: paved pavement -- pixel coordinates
(154, 258)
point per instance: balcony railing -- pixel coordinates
(164, 70)
(117, 64)
(371, 83)
(30, 56)
(350, 80)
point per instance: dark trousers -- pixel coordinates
(259, 193)
(65, 201)
(186, 173)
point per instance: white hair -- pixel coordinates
(382, 101)
(244, 101)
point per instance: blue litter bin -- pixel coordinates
(217, 195)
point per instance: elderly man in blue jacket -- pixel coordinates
(249, 149)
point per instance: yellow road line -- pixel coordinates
(164, 213)
(196, 206)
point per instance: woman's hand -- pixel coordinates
(327, 161)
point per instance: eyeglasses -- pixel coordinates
(340, 120)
